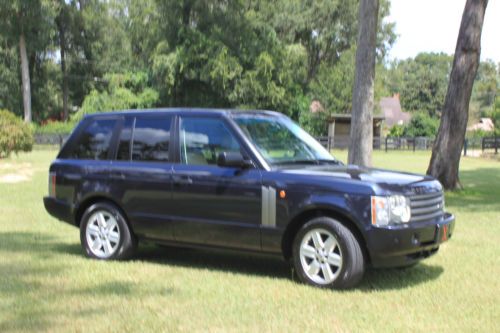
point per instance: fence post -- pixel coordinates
(386, 144)
(466, 143)
(496, 144)
(414, 142)
(482, 144)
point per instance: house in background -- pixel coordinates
(339, 128)
(339, 125)
(392, 112)
(484, 124)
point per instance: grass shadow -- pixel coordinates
(399, 278)
(217, 260)
(22, 288)
(121, 288)
(480, 193)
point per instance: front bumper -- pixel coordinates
(404, 245)
(59, 209)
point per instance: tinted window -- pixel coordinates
(202, 139)
(123, 153)
(94, 141)
(151, 139)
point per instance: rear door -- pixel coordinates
(142, 174)
(214, 205)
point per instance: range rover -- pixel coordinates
(241, 180)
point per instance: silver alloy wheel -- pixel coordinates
(320, 256)
(103, 234)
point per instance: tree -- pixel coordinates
(361, 136)
(495, 115)
(25, 77)
(123, 91)
(486, 86)
(10, 85)
(63, 21)
(27, 22)
(447, 148)
(422, 82)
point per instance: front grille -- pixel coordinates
(425, 207)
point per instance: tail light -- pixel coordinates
(52, 184)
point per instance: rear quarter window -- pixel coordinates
(94, 140)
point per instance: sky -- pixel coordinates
(432, 26)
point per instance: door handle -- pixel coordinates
(117, 175)
(182, 180)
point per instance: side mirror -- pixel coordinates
(232, 159)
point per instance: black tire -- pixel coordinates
(126, 245)
(347, 274)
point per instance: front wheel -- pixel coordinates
(327, 254)
(104, 233)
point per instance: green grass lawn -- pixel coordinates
(46, 284)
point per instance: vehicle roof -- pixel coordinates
(196, 111)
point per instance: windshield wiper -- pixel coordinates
(336, 162)
(316, 162)
(313, 162)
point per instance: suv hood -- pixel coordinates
(386, 179)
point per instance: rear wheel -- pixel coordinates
(104, 233)
(327, 254)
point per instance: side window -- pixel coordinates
(94, 141)
(123, 153)
(202, 139)
(151, 139)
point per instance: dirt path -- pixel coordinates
(15, 173)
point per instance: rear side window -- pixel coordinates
(94, 141)
(151, 139)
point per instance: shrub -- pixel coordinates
(56, 127)
(495, 116)
(478, 134)
(396, 131)
(15, 135)
(421, 124)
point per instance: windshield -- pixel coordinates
(281, 141)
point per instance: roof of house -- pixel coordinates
(391, 109)
(484, 124)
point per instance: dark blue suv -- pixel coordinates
(245, 180)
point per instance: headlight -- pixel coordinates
(391, 209)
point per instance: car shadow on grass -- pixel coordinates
(275, 267)
(399, 278)
(217, 260)
(229, 261)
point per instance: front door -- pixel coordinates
(214, 205)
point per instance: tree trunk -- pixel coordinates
(25, 76)
(186, 12)
(62, 45)
(361, 136)
(449, 142)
